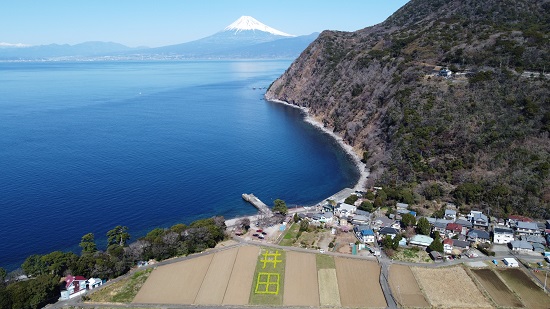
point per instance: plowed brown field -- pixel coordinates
(301, 284)
(216, 279)
(498, 291)
(238, 289)
(531, 294)
(405, 288)
(359, 283)
(449, 288)
(176, 283)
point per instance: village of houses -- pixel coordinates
(461, 233)
(488, 257)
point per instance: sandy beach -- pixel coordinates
(363, 171)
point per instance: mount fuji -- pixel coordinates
(244, 38)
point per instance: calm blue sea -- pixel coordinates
(87, 146)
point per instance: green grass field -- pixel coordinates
(122, 291)
(290, 235)
(325, 262)
(267, 288)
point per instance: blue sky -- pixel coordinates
(165, 22)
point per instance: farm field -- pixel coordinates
(214, 284)
(238, 288)
(328, 283)
(250, 275)
(498, 291)
(431, 281)
(531, 294)
(269, 278)
(353, 276)
(328, 288)
(405, 288)
(301, 284)
(176, 283)
(213, 279)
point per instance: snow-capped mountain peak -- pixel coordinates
(250, 23)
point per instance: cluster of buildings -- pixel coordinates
(77, 285)
(459, 232)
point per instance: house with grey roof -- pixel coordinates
(440, 227)
(538, 247)
(534, 239)
(521, 246)
(450, 214)
(322, 217)
(527, 228)
(387, 231)
(402, 206)
(461, 244)
(435, 255)
(478, 236)
(480, 221)
(360, 219)
(465, 223)
(363, 213)
(383, 221)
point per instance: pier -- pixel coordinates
(257, 203)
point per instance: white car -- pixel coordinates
(321, 250)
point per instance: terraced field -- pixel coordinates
(261, 276)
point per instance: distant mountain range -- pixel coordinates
(244, 38)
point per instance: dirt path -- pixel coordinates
(301, 284)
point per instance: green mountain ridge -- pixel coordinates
(479, 139)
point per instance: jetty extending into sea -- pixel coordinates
(262, 207)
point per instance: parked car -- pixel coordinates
(259, 230)
(264, 233)
(255, 235)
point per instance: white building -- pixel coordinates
(502, 235)
(511, 262)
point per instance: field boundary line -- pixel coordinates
(231, 274)
(202, 281)
(479, 286)
(497, 273)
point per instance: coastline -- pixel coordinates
(363, 171)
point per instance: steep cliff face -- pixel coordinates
(486, 126)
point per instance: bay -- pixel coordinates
(87, 146)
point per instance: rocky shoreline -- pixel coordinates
(361, 167)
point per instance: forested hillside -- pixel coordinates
(479, 138)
